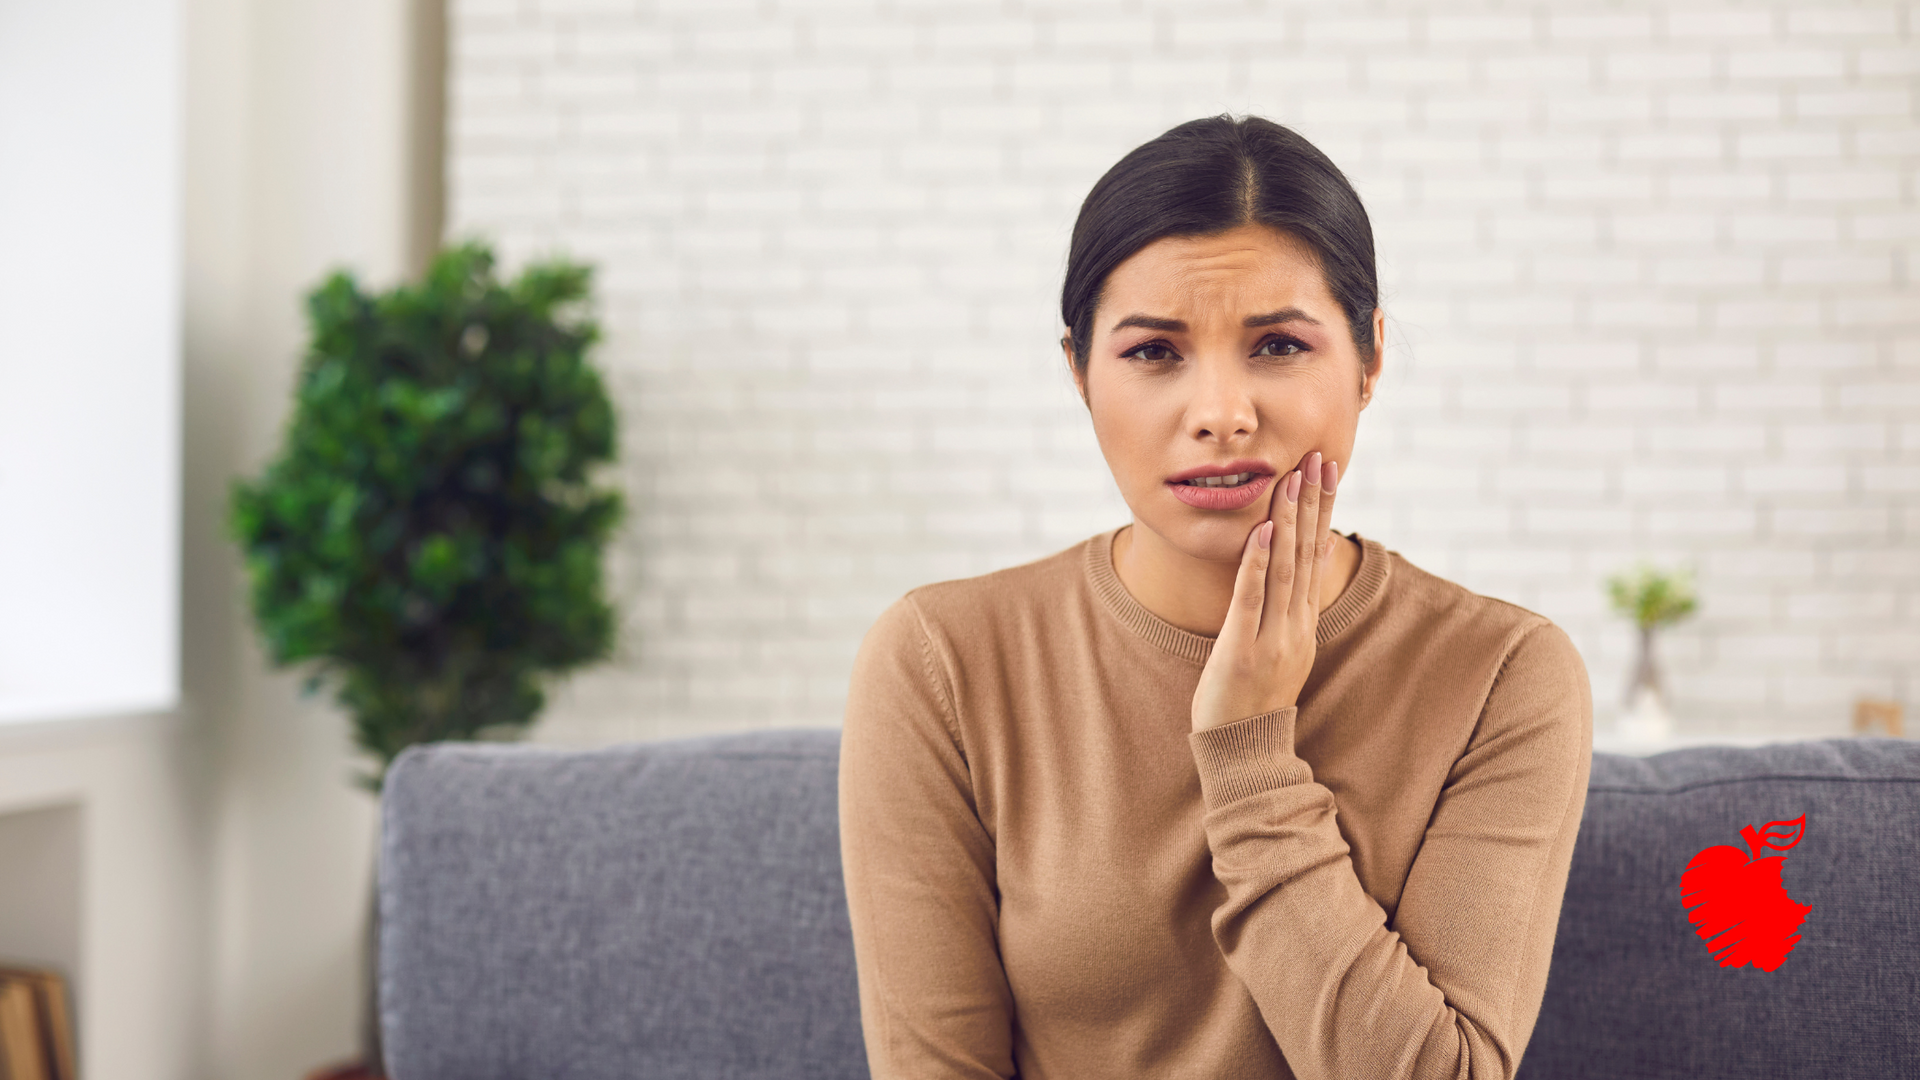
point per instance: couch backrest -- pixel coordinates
(675, 910)
(1633, 991)
(658, 910)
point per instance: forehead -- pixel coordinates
(1252, 267)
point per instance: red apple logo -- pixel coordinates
(1738, 904)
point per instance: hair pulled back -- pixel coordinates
(1205, 177)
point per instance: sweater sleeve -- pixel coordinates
(919, 868)
(1452, 985)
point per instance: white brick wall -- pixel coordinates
(1649, 271)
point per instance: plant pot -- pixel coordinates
(1647, 718)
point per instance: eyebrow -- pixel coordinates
(1148, 322)
(1175, 326)
(1284, 315)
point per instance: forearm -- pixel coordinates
(1451, 986)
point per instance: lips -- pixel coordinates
(1202, 496)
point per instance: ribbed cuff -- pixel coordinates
(1248, 757)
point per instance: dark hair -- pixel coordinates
(1208, 176)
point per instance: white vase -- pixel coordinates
(1646, 718)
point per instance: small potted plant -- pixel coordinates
(1651, 598)
(428, 539)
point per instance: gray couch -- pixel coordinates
(673, 910)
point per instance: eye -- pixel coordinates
(1279, 346)
(1153, 352)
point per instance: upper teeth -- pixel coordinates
(1222, 481)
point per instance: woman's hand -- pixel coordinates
(1264, 652)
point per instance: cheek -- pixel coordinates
(1323, 409)
(1132, 430)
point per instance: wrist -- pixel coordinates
(1248, 757)
(1215, 719)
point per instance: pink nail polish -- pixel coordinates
(1330, 476)
(1312, 468)
(1293, 486)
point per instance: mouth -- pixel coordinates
(1235, 480)
(1232, 486)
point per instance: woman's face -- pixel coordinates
(1220, 355)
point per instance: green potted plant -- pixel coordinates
(1651, 598)
(428, 539)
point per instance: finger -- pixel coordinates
(1306, 538)
(1323, 551)
(1249, 587)
(1286, 512)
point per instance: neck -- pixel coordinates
(1194, 594)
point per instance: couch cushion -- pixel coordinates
(647, 910)
(1634, 992)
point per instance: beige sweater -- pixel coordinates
(1050, 876)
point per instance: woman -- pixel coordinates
(1222, 792)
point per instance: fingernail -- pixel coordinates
(1293, 486)
(1330, 476)
(1313, 467)
(1264, 535)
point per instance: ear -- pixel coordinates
(1370, 379)
(1079, 379)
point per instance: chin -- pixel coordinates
(1207, 535)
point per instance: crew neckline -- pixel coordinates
(1369, 581)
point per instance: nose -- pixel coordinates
(1221, 408)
